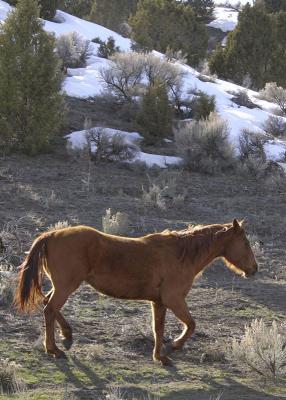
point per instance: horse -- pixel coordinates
(159, 268)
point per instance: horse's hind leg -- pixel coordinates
(66, 330)
(51, 312)
(158, 321)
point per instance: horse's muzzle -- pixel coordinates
(252, 272)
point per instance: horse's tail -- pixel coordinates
(28, 292)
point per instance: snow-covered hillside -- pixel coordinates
(232, 2)
(225, 19)
(86, 82)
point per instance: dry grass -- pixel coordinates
(13, 234)
(7, 286)
(154, 196)
(115, 224)
(58, 225)
(119, 338)
(116, 393)
(9, 380)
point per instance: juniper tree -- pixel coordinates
(47, 7)
(273, 6)
(30, 102)
(250, 48)
(155, 118)
(112, 13)
(168, 24)
(202, 8)
(80, 8)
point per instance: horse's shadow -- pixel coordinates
(89, 383)
(69, 366)
(229, 389)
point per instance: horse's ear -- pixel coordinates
(236, 225)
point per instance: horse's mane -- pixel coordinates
(194, 239)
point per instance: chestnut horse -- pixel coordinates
(159, 267)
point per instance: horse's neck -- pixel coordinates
(212, 248)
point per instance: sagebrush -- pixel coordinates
(262, 349)
(204, 145)
(106, 147)
(73, 50)
(115, 224)
(10, 381)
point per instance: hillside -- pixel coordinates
(85, 83)
(111, 356)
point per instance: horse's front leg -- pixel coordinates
(180, 309)
(158, 321)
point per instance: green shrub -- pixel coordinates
(169, 24)
(155, 117)
(106, 49)
(48, 8)
(30, 100)
(203, 105)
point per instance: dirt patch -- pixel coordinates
(113, 339)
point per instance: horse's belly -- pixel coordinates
(124, 288)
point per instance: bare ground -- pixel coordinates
(113, 340)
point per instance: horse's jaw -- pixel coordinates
(234, 268)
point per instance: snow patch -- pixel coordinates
(275, 150)
(78, 140)
(225, 19)
(233, 3)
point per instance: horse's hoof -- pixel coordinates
(60, 354)
(168, 349)
(166, 361)
(67, 343)
(57, 353)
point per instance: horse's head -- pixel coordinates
(237, 251)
